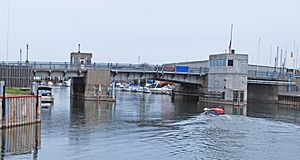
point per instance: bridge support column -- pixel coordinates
(188, 92)
(262, 93)
(94, 86)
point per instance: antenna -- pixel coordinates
(230, 42)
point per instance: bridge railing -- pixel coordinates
(113, 66)
(201, 70)
(68, 65)
(269, 75)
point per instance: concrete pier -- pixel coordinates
(94, 86)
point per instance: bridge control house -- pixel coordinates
(225, 80)
(227, 77)
(79, 58)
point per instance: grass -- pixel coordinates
(16, 91)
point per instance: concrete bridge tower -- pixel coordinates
(227, 77)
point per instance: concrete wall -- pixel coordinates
(78, 87)
(94, 86)
(261, 92)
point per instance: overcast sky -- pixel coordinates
(158, 31)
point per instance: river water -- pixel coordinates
(147, 126)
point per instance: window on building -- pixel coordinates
(217, 62)
(230, 63)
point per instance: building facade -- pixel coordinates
(227, 76)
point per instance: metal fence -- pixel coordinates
(16, 75)
(19, 110)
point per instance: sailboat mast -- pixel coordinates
(276, 59)
(280, 65)
(258, 49)
(294, 56)
(297, 60)
(271, 56)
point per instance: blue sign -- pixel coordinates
(182, 68)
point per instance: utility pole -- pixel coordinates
(27, 48)
(20, 56)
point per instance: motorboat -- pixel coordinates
(46, 95)
(216, 110)
(146, 90)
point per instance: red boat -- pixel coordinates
(218, 110)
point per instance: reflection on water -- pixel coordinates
(21, 140)
(90, 113)
(146, 126)
(274, 111)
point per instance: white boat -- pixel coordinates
(67, 83)
(161, 90)
(46, 95)
(146, 90)
(167, 89)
